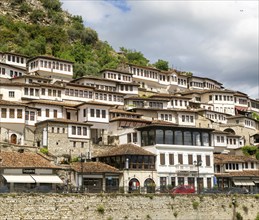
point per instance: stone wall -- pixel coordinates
(130, 206)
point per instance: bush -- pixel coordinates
(44, 150)
(257, 217)
(245, 209)
(100, 209)
(195, 204)
(239, 216)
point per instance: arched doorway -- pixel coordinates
(134, 185)
(150, 185)
(14, 139)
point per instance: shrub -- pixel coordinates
(245, 209)
(44, 150)
(195, 204)
(239, 216)
(257, 196)
(175, 214)
(257, 217)
(100, 209)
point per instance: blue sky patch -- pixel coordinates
(121, 4)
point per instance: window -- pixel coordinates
(11, 113)
(129, 138)
(3, 113)
(32, 116)
(79, 131)
(43, 91)
(199, 158)
(82, 144)
(180, 158)
(84, 131)
(55, 113)
(135, 138)
(159, 136)
(208, 182)
(178, 137)
(171, 159)
(103, 114)
(208, 160)
(74, 130)
(26, 91)
(27, 115)
(11, 94)
(98, 113)
(92, 112)
(19, 113)
(47, 113)
(190, 159)
(162, 159)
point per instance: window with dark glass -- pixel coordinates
(205, 139)
(19, 113)
(171, 159)
(135, 137)
(144, 138)
(190, 159)
(92, 112)
(207, 160)
(79, 131)
(180, 159)
(199, 158)
(103, 114)
(74, 130)
(208, 182)
(97, 113)
(151, 137)
(84, 131)
(180, 180)
(55, 113)
(178, 136)
(129, 138)
(187, 137)
(169, 137)
(159, 136)
(196, 138)
(47, 112)
(173, 182)
(162, 159)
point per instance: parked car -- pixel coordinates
(237, 190)
(211, 191)
(183, 189)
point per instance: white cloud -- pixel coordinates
(216, 39)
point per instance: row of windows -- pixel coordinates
(53, 65)
(249, 123)
(58, 130)
(220, 139)
(216, 117)
(15, 59)
(79, 130)
(156, 105)
(179, 103)
(119, 76)
(221, 98)
(176, 137)
(180, 181)
(108, 97)
(79, 93)
(187, 118)
(47, 113)
(242, 101)
(166, 117)
(203, 85)
(36, 92)
(107, 88)
(132, 137)
(145, 73)
(13, 113)
(182, 82)
(126, 88)
(231, 141)
(15, 73)
(96, 113)
(171, 159)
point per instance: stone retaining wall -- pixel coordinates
(113, 207)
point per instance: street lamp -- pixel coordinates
(198, 164)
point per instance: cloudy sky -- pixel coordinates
(214, 39)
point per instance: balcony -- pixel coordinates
(185, 168)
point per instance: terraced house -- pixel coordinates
(138, 128)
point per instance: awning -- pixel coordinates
(19, 179)
(256, 181)
(244, 183)
(46, 179)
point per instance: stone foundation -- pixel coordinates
(130, 206)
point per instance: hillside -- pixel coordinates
(41, 27)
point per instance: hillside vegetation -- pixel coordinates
(41, 27)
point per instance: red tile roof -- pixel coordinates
(93, 167)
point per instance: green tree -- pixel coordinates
(134, 57)
(161, 65)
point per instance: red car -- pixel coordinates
(183, 189)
